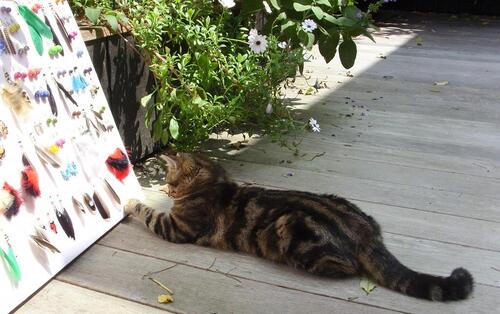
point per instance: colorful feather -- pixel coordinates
(12, 202)
(65, 222)
(29, 178)
(118, 164)
(36, 27)
(55, 40)
(11, 264)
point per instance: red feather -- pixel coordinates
(18, 201)
(29, 178)
(118, 164)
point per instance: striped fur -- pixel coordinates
(321, 234)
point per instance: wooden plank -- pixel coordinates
(195, 290)
(59, 295)
(397, 195)
(421, 255)
(463, 185)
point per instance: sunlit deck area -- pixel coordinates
(411, 134)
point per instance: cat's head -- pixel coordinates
(189, 173)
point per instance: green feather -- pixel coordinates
(37, 39)
(36, 26)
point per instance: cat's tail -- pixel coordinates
(378, 262)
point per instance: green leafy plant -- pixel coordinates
(102, 12)
(215, 72)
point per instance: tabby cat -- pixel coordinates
(323, 234)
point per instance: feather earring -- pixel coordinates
(10, 201)
(36, 27)
(100, 207)
(47, 158)
(87, 200)
(29, 178)
(118, 164)
(40, 238)
(15, 97)
(64, 31)
(52, 102)
(112, 191)
(55, 40)
(65, 222)
(10, 261)
(77, 205)
(66, 93)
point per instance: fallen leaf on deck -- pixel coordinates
(165, 298)
(367, 285)
(419, 40)
(441, 83)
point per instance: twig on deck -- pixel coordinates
(316, 156)
(158, 271)
(161, 285)
(211, 265)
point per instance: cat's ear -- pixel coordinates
(170, 160)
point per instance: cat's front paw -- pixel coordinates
(130, 206)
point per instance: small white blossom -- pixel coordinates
(314, 125)
(227, 3)
(282, 44)
(252, 33)
(269, 108)
(267, 7)
(309, 25)
(257, 43)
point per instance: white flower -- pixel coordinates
(252, 33)
(227, 3)
(257, 43)
(269, 108)
(282, 44)
(309, 25)
(314, 125)
(267, 7)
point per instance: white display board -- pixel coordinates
(57, 133)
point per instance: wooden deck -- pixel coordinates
(424, 160)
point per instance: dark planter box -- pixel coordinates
(125, 79)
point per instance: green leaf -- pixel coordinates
(281, 16)
(146, 99)
(310, 40)
(330, 18)
(347, 51)
(174, 128)
(302, 35)
(164, 138)
(287, 25)
(324, 2)
(301, 7)
(328, 45)
(122, 19)
(157, 129)
(367, 285)
(318, 12)
(93, 14)
(346, 22)
(275, 4)
(112, 21)
(351, 12)
(369, 35)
